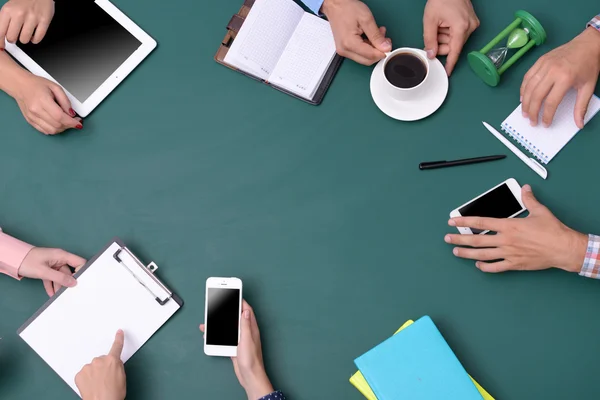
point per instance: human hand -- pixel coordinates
(104, 378)
(248, 365)
(447, 24)
(46, 106)
(349, 20)
(539, 241)
(51, 266)
(575, 64)
(25, 20)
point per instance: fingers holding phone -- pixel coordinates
(501, 201)
(539, 241)
(248, 364)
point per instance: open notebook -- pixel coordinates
(545, 143)
(280, 44)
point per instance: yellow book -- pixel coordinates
(359, 381)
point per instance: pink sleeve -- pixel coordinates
(12, 253)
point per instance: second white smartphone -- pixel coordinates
(501, 201)
(222, 316)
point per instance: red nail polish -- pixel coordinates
(79, 126)
(72, 112)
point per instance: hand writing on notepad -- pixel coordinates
(248, 365)
(104, 378)
(537, 242)
(25, 20)
(572, 65)
(51, 266)
(349, 20)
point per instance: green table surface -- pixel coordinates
(321, 211)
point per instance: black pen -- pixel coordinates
(443, 164)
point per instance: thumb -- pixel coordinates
(529, 200)
(375, 35)
(584, 95)
(66, 258)
(61, 278)
(430, 37)
(61, 98)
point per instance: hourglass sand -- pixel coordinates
(523, 33)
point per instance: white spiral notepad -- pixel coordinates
(545, 143)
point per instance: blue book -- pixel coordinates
(416, 364)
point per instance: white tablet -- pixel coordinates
(90, 47)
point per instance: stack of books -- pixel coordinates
(415, 363)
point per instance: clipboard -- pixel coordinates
(115, 290)
(234, 26)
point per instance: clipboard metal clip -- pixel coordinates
(146, 277)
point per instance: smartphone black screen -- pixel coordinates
(499, 203)
(223, 317)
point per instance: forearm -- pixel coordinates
(259, 385)
(11, 75)
(12, 254)
(591, 263)
(592, 35)
(273, 396)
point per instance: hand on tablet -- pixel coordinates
(349, 20)
(46, 106)
(51, 266)
(104, 378)
(447, 24)
(248, 365)
(539, 241)
(25, 20)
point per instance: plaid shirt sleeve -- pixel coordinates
(591, 263)
(595, 22)
(274, 396)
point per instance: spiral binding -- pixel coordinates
(537, 153)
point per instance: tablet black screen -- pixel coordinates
(83, 47)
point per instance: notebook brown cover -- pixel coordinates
(233, 27)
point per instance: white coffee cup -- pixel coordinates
(405, 93)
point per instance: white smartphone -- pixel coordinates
(501, 201)
(222, 316)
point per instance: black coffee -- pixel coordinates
(405, 70)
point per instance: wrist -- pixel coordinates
(12, 76)
(591, 37)
(257, 384)
(328, 5)
(573, 253)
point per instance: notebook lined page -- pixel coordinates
(306, 57)
(545, 143)
(264, 35)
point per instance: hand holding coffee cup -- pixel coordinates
(349, 20)
(405, 71)
(447, 24)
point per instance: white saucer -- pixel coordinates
(428, 100)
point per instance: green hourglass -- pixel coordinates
(523, 33)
